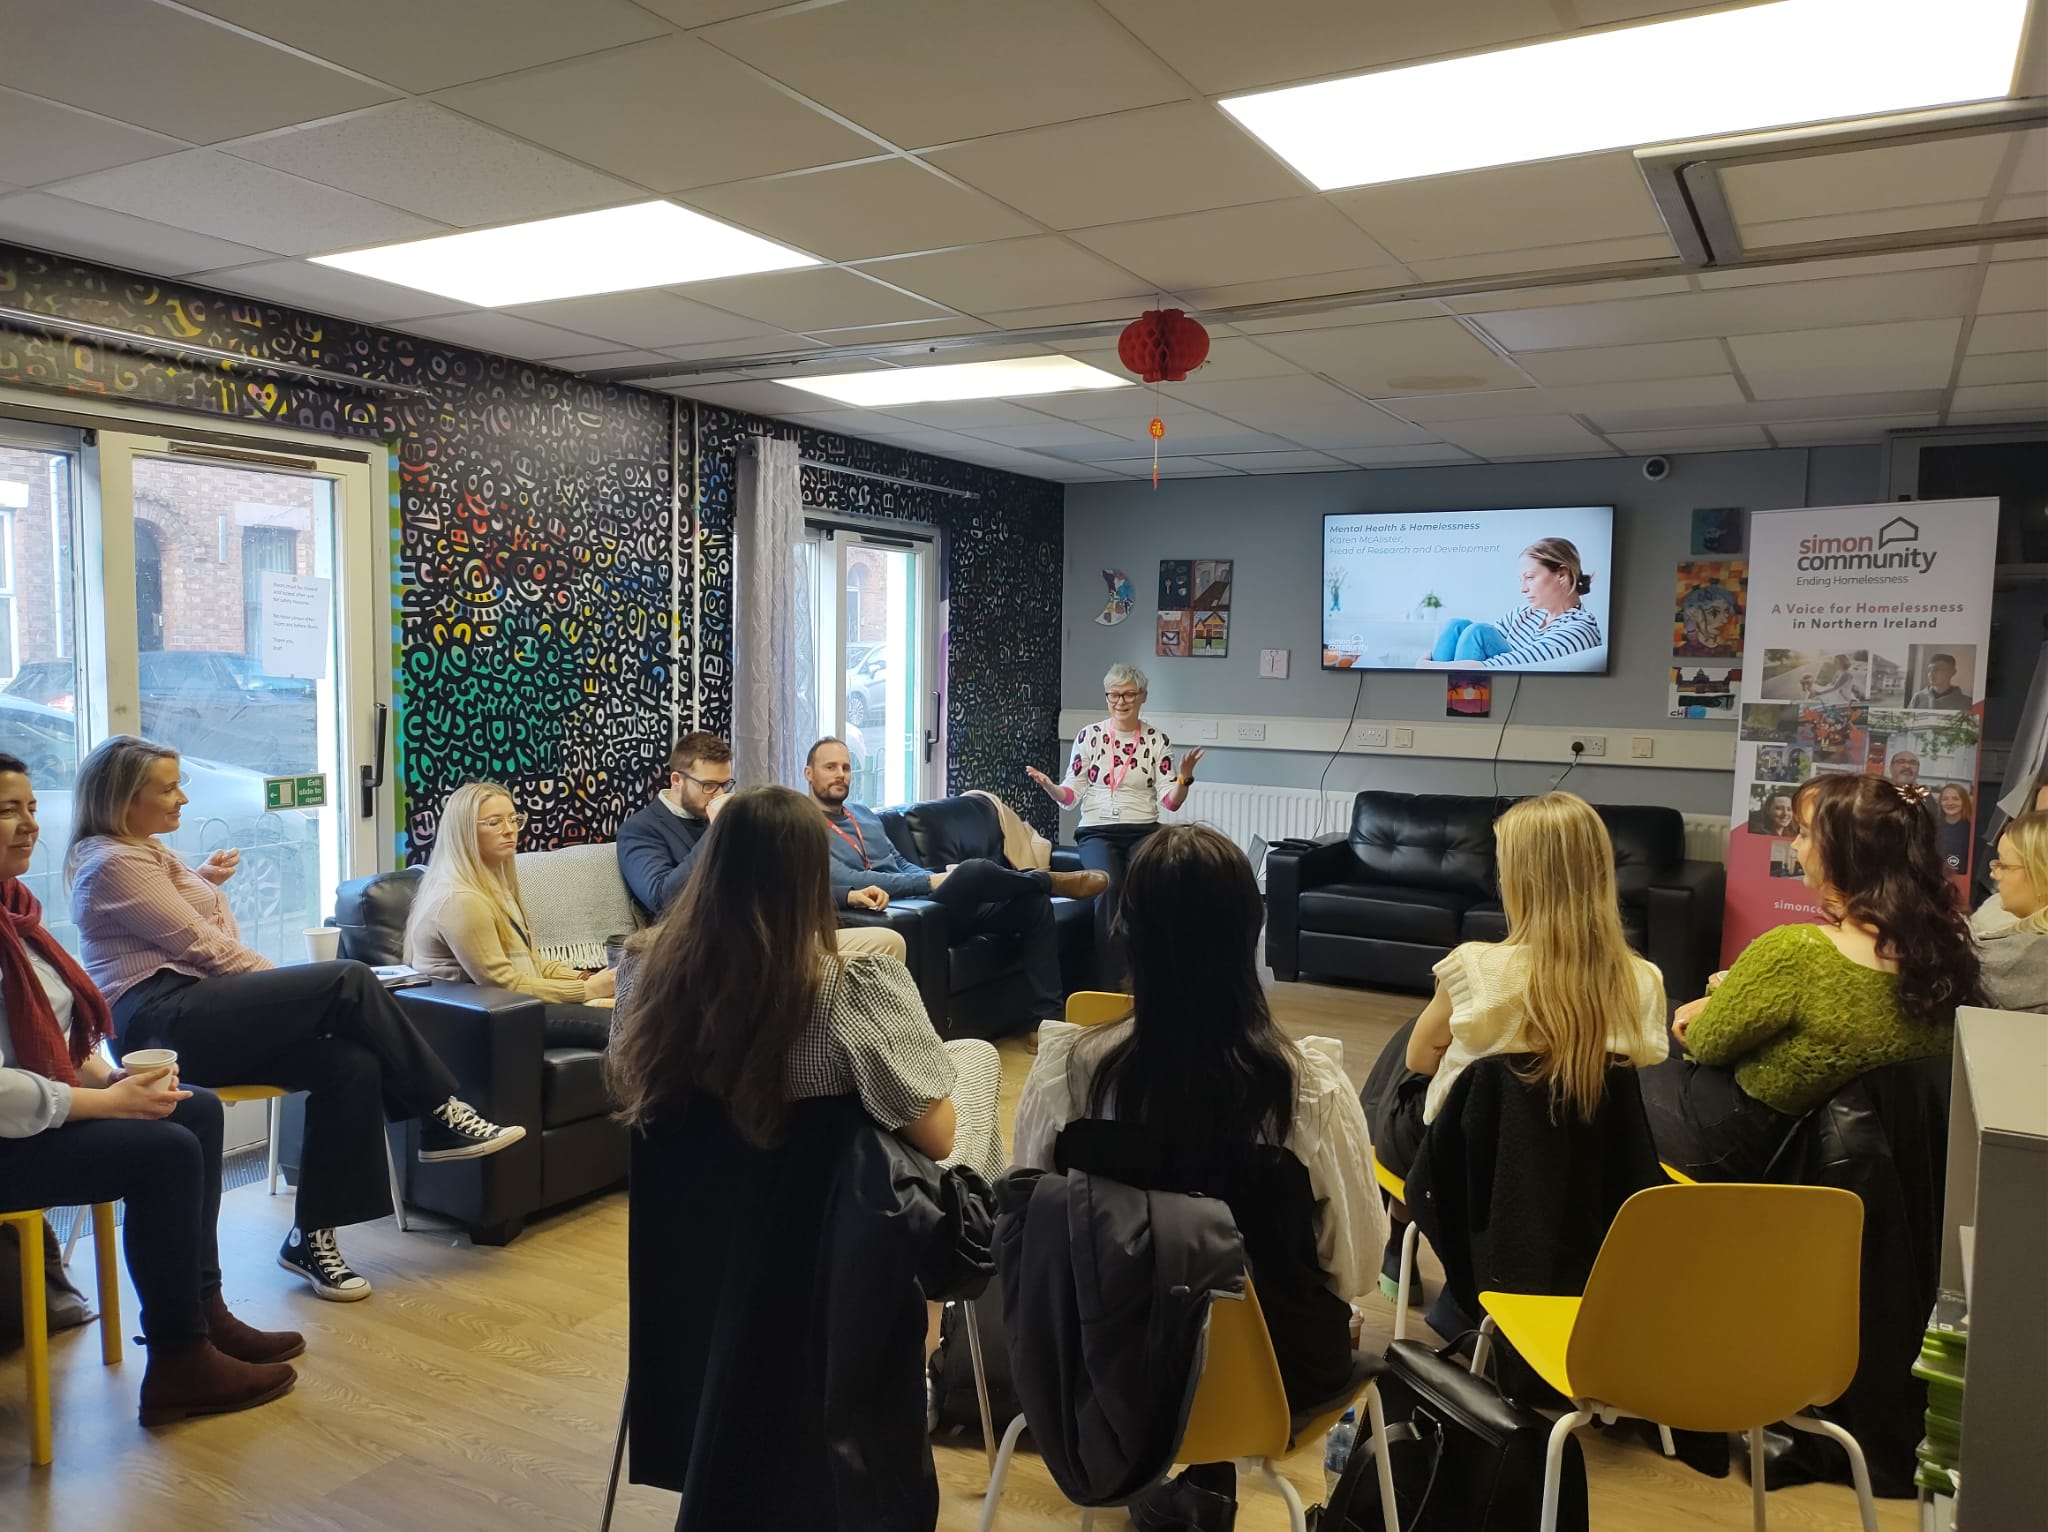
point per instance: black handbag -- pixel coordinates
(1464, 1459)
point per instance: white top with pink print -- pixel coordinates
(1119, 778)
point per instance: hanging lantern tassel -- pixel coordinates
(1158, 429)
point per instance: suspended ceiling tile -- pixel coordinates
(765, 398)
(1348, 316)
(1258, 243)
(2019, 250)
(1049, 433)
(45, 222)
(704, 13)
(650, 318)
(1815, 433)
(1107, 316)
(215, 194)
(1872, 345)
(1946, 170)
(2010, 367)
(2007, 332)
(2021, 205)
(1697, 439)
(42, 141)
(1226, 45)
(425, 47)
(1386, 360)
(1939, 293)
(1182, 425)
(974, 415)
(1818, 382)
(1008, 275)
(812, 299)
(1762, 238)
(1581, 399)
(1600, 13)
(1279, 462)
(1003, 351)
(603, 361)
(2012, 287)
(1509, 207)
(1304, 410)
(1012, 67)
(1125, 409)
(1230, 360)
(1420, 456)
(856, 212)
(668, 114)
(430, 161)
(1606, 291)
(2032, 396)
(1770, 411)
(1169, 468)
(1769, 273)
(165, 69)
(1321, 284)
(1532, 436)
(506, 334)
(1551, 258)
(769, 344)
(920, 329)
(326, 290)
(1626, 364)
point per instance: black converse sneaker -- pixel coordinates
(313, 1254)
(455, 1132)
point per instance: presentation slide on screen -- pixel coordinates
(1461, 590)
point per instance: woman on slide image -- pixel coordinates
(1550, 624)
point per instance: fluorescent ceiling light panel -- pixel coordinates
(650, 244)
(1763, 66)
(965, 380)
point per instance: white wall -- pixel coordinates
(1271, 526)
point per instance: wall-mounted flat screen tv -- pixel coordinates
(1520, 590)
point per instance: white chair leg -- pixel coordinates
(1757, 1513)
(1553, 1462)
(995, 1479)
(1664, 1440)
(1859, 1470)
(611, 1489)
(79, 1217)
(988, 1424)
(1087, 1518)
(273, 1117)
(1297, 1517)
(1482, 1347)
(397, 1196)
(1408, 1238)
(1390, 1512)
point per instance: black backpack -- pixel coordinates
(1464, 1458)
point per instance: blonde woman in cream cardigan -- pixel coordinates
(469, 923)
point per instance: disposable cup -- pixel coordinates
(141, 1060)
(323, 943)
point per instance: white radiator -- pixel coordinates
(1241, 811)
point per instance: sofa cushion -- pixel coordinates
(1648, 840)
(1484, 923)
(571, 1086)
(1426, 840)
(948, 830)
(372, 912)
(1390, 911)
(577, 901)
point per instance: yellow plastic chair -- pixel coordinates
(1098, 1007)
(1239, 1414)
(35, 1318)
(1397, 1188)
(1669, 1329)
(271, 1095)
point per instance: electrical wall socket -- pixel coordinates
(1251, 731)
(1596, 744)
(1369, 737)
(1404, 739)
(1642, 748)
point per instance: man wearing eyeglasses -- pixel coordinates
(658, 844)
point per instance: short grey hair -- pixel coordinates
(1125, 675)
(107, 783)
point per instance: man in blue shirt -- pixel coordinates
(978, 895)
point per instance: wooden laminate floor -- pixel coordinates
(479, 1389)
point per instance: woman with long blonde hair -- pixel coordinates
(2012, 929)
(468, 921)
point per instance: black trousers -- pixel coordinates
(1108, 849)
(1393, 1098)
(565, 1024)
(981, 895)
(329, 1029)
(1707, 1125)
(168, 1171)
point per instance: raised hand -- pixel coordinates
(1046, 784)
(219, 867)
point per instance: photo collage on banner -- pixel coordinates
(1194, 608)
(1707, 619)
(1866, 631)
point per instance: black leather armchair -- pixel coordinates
(1415, 876)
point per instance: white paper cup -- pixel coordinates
(323, 943)
(142, 1060)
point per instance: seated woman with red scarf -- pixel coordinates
(75, 1130)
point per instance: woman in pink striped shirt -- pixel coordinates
(162, 946)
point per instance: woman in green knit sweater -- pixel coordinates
(1808, 1008)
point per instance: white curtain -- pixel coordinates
(771, 617)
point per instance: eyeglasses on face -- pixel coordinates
(1998, 866)
(713, 788)
(1113, 698)
(499, 821)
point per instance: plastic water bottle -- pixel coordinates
(1337, 1451)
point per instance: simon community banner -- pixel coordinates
(1868, 633)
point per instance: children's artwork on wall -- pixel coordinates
(1174, 634)
(1704, 691)
(1468, 694)
(1707, 624)
(1122, 596)
(1176, 576)
(1717, 532)
(1211, 585)
(1212, 633)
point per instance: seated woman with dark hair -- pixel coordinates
(1808, 1008)
(1201, 1070)
(75, 1130)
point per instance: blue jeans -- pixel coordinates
(1464, 639)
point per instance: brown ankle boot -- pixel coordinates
(1078, 885)
(201, 1380)
(245, 1343)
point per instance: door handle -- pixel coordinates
(373, 774)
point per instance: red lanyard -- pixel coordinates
(862, 848)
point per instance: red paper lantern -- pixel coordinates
(1163, 346)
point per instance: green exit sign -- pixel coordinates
(308, 792)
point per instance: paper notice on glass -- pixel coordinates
(294, 625)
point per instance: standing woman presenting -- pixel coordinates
(1120, 772)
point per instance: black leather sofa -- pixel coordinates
(1415, 876)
